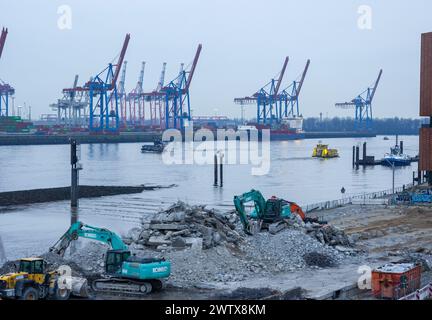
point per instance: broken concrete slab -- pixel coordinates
(167, 226)
(158, 240)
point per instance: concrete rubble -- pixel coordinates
(182, 226)
(323, 232)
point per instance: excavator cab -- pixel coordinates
(114, 260)
(273, 210)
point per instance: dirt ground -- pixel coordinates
(386, 230)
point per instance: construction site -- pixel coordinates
(120, 190)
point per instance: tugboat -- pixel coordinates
(396, 158)
(158, 146)
(323, 151)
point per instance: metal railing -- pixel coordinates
(325, 205)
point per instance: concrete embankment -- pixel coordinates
(28, 139)
(125, 137)
(63, 193)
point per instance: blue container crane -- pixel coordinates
(363, 106)
(289, 97)
(103, 95)
(176, 96)
(6, 90)
(267, 100)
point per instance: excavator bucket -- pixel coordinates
(254, 227)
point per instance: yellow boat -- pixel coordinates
(323, 151)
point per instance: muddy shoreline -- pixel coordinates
(21, 197)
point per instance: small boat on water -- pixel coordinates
(386, 138)
(157, 147)
(396, 158)
(323, 151)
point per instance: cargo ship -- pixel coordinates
(287, 129)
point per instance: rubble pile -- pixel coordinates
(183, 226)
(324, 233)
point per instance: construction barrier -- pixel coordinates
(424, 293)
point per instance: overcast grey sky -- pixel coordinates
(244, 44)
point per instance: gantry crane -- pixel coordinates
(122, 95)
(102, 90)
(267, 99)
(176, 96)
(155, 99)
(136, 101)
(6, 90)
(290, 96)
(363, 106)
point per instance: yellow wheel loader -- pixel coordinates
(33, 282)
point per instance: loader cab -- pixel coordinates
(114, 260)
(32, 266)
(36, 268)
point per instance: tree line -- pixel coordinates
(386, 126)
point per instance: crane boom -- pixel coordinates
(120, 60)
(303, 78)
(162, 78)
(123, 79)
(139, 87)
(81, 230)
(281, 76)
(376, 85)
(3, 39)
(194, 64)
(179, 78)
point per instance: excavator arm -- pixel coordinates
(81, 230)
(259, 203)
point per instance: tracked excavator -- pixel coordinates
(124, 272)
(265, 212)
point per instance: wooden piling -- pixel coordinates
(221, 170)
(215, 170)
(364, 154)
(357, 157)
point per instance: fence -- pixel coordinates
(349, 199)
(424, 293)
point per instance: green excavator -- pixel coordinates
(265, 212)
(124, 272)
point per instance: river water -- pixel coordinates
(293, 175)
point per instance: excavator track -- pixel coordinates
(126, 286)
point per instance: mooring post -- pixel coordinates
(419, 179)
(353, 157)
(413, 178)
(401, 146)
(215, 170)
(364, 153)
(357, 156)
(221, 168)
